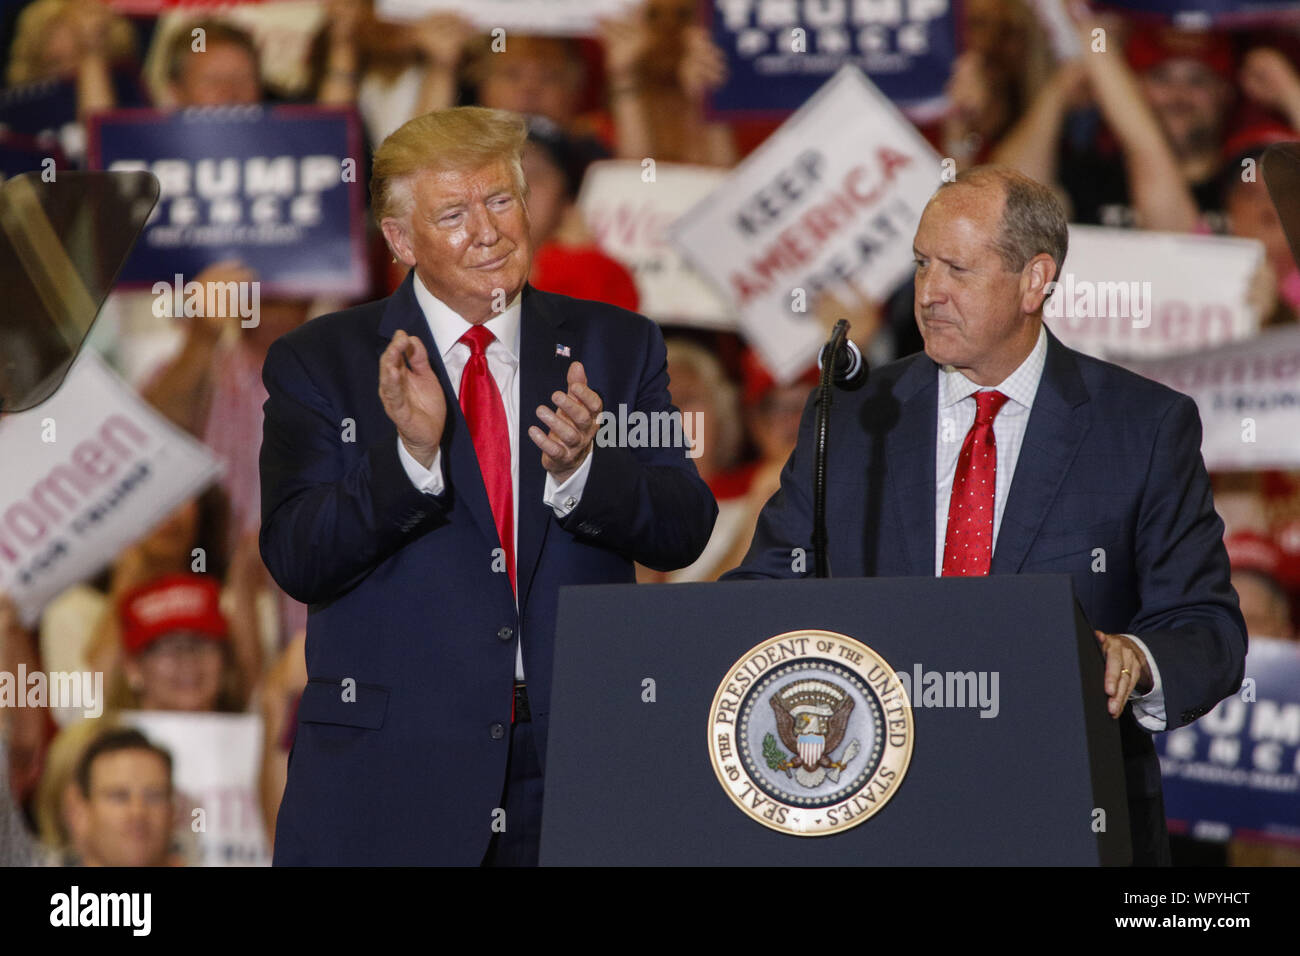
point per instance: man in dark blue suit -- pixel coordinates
(401, 502)
(1000, 451)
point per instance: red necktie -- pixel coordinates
(480, 400)
(968, 543)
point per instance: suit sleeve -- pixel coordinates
(782, 545)
(330, 515)
(1189, 616)
(646, 503)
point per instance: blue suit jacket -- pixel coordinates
(404, 601)
(1110, 460)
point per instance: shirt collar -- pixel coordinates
(1019, 386)
(447, 326)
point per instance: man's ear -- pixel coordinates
(1038, 274)
(75, 811)
(398, 240)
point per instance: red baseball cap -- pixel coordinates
(1148, 48)
(758, 381)
(1287, 536)
(1257, 136)
(173, 602)
(1252, 551)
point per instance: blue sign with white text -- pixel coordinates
(1235, 773)
(779, 52)
(277, 188)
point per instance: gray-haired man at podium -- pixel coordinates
(1000, 451)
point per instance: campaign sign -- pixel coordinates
(1235, 773)
(780, 51)
(554, 17)
(216, 761)
(1219, 13)
(26, 154)
(1126, 292)
(274, 187)
(832, 198)
(629, 218)
(1248, 396)
(86, 473)
(47, 111)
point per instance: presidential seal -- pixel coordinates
(810, 733)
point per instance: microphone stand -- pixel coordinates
(821, 432)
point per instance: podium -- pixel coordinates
(658, 698)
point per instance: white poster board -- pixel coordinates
(1248, 394)
(1124, 292)
(630, 215)
(832, 198)
(216, 765)
(553, 17)
(86, 473)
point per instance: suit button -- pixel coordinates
(497, 731)
(505, 633)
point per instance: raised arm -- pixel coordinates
(330, 516)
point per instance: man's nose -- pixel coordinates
(929, 290)
(483, 226)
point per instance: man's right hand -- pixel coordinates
(412, 396)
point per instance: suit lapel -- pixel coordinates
(541, 372)
(910, 457)
(1058, 422)
(459, 459)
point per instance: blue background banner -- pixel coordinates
(1236, 771)
(906, 48)
(265, 185)
(25, 154)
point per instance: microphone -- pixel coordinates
(848, 370)
(849, 367)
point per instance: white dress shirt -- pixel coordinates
(503, 362)
(956, 416)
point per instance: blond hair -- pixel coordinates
(728, 433)
(32, 31)
(452, 140)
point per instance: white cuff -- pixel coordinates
(1149, 708)
(429, 480)
(563, 498)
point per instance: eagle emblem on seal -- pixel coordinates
(811, 719)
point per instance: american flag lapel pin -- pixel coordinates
(562, 350)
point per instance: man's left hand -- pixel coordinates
(1126, 670)
(573, 424)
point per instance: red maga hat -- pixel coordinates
(1252, 551)
(1148, 48)
(758, 381)
(173, 602)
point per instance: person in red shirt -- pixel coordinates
(568, 261)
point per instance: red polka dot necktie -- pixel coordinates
(968, 543)
(480, 400)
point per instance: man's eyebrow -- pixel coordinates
(439, 211)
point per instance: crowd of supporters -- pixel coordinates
(1150, 139)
